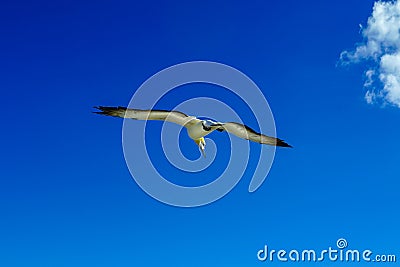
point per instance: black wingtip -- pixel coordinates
(100, 110)
(282, 143)
(110, 111)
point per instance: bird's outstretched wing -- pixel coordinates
(247, 133)
(139, 114)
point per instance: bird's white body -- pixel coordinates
(196, 129)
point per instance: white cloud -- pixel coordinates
(390, 77)
(369, 75)
(369, 97)
(381, 46)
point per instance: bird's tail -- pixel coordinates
(111, 111)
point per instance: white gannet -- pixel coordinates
(196, 128)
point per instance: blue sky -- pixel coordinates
(66, 195)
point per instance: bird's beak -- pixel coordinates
(202, 150)
(202, 144)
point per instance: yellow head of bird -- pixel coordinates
(202, 144)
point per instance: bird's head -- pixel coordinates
(202, 144)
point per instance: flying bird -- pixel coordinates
(196, 128)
